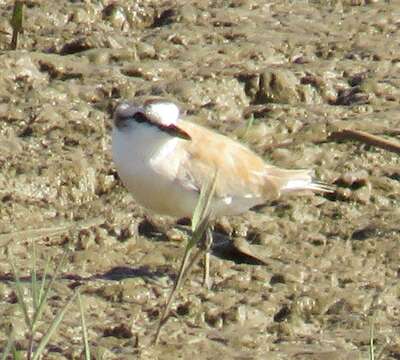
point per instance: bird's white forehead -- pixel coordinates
(166, 113)
(125, 109)
(123, 106)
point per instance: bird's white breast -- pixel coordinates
(147, 161)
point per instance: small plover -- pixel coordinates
(165, 160)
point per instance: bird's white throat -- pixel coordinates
(139, 144)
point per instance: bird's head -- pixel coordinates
(163, 115)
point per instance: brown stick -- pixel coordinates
(350, 134)
(366, 138)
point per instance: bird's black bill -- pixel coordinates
(175, 131)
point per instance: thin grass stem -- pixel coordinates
(34, 285)
(84, 329)
(46, 291)
(44, 277)
(9, 346)
(53, 327)
(200, 223)
(16, 23)
(19, 292)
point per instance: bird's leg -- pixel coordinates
(206, 245)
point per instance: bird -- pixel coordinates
(165, 160)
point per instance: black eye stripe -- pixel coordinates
(140, 117)
(122, 121)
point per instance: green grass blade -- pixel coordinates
(19, 292)
(9, 346)
(16, 23)
(53, 327)
(249, 124)
(47, 289)
(199, 232)
(371, 353)
(84, 329)
(174, 291)
(43, 284)
(200, 221)
(202, 210)
(16, 355)
(34, 285)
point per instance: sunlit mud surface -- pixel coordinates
(302, 70)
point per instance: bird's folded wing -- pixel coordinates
(241, 173)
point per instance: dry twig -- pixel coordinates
(366, 138)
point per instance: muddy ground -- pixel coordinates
(302, 70)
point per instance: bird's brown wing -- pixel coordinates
(241, 173)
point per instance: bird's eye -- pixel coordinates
(140, 117)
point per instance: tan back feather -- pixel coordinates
(241, 172)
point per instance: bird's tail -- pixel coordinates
(287, 181)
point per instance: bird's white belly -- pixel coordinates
(158, 194)
(154, 189)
